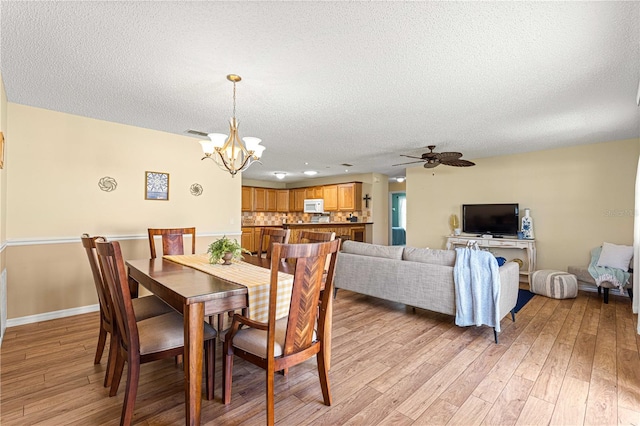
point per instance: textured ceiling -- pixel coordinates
(337, 82)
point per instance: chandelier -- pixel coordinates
(229, 152)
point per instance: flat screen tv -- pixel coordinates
(496, 219)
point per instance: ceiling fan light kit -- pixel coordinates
(230, 152)
(434, 159)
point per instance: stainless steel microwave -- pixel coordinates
(315, 205)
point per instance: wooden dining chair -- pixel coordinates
(143, 308)
(279, 344)
(269, 236)
(315, 237)
(147, 340)
(172, 240)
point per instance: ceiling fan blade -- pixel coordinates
(410, 162)
(431, 165)
(448, 156)
(458, 163)
(197, 133)
(410, 156)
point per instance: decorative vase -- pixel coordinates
(527, 225)
(227, 258)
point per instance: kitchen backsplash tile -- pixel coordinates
(276, 219)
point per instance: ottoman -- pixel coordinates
(554, 284)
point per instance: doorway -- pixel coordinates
(398, 216)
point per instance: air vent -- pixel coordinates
(347, 165)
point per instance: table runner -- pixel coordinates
(255, 278)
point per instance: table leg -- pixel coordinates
(133, 287)
(193, 343)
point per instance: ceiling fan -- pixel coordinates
(433, 159)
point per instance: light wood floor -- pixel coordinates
(562, 362)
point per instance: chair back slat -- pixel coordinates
(270, 236)
(172, 240)
(305, 293)
(115, 273)
(89, 245)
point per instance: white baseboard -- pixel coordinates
(30, 319)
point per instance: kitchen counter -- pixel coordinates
(356, 231)
(316, 224)
(307, 224)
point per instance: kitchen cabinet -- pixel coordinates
(246, 240)
(271, 199)
(282, 200)
(259, 199)
(350, 196)
(330, 196)
(313, 192)
(296, 199)
(256, 239)
(247, 199)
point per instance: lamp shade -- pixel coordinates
(217, 139)
(207, 147)
(258, 150)
(251, 142)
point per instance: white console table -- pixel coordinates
(505, 247)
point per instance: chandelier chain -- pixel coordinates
(234, 99)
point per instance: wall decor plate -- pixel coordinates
(107, 184)
(196, 189)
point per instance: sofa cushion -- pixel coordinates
(425, 255)
(373, 250)
(615, 256)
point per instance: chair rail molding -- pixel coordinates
(76, 239)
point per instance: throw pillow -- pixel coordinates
(615, 256)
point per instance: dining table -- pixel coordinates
(198, 294)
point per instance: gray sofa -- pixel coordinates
(421, 278)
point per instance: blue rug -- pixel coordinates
(523, 297)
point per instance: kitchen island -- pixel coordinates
(356, 231)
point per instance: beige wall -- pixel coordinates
(397, 186)
(57, 160)
(579, 197)
(3, 210)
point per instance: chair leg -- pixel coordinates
(117, 374)
(630, 290)
(495, 335)
(323, 374)
(102, 339)
(513, 316)
(606, 295)
(133, 375)
(270, 397)
(111, 360)
(210, 362)
(227, 366)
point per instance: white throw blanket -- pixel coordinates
(477, 283)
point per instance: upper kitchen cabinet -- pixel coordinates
(247, 199)
(313, 192)
(282, 200)
(259, 199)
(350, 196)
(296, 199)
(272, 198)
(330, 196)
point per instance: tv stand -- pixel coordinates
(505, 247)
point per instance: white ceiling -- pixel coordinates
(337, 82)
